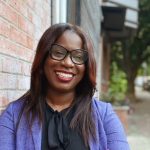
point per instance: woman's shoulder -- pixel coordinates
(13, 108)
(98, 102)
(9, 116)
(111, 124)
(102, 108)
(17, 104)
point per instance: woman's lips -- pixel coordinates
(64, 76)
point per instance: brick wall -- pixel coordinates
(22, 22)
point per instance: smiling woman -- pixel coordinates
(64, 74)
(59, 111)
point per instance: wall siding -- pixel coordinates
(86, 13)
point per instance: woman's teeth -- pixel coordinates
(64, 75)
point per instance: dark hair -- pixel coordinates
(82, 119)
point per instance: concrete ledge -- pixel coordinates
(125, 108)
(122, 112)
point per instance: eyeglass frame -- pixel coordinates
(70, 54)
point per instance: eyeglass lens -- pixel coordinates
(78, 56)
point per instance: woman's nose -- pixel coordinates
(67, 61)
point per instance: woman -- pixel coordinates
(59, 111)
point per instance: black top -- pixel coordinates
(57, 135)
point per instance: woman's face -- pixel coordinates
(64, 75)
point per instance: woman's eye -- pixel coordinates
(79, 57)
(58, 53)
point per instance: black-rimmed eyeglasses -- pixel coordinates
(78, 56)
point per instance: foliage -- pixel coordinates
(129, 54)
(144, 70)
(118, 84)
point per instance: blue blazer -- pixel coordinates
(109, 131)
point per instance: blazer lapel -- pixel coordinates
(36, 134)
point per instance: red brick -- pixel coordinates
(26, 68)
(39, 11)
(3, 45)
(31, 4)
(21, 38)
(15, 4)
(3, 101)
(12, 95)
(31, 29)
(22, 23)
(3, 96)
(8, 13)
(4, 28)
(23, 8)
(37, 21)
(19, 93)
(15, 34)
(30, 42)
(11, 81)
(23, 83)
(15, 94)
(11, 65)
(25, 25)
(27, 54)
(12, 49)
(1, 59)
(35, 44)
(21, 26)
(30, 15)
(8, 47)
(18, 36)
(3, 81)
(19, 6)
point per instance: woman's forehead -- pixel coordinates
(70, 40)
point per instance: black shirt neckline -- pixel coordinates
(56, 133)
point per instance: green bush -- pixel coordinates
(118, 84)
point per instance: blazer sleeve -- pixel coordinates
(7, 132)
(116, 138)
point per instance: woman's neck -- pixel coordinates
(59, 101)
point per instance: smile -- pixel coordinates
(64, 76)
